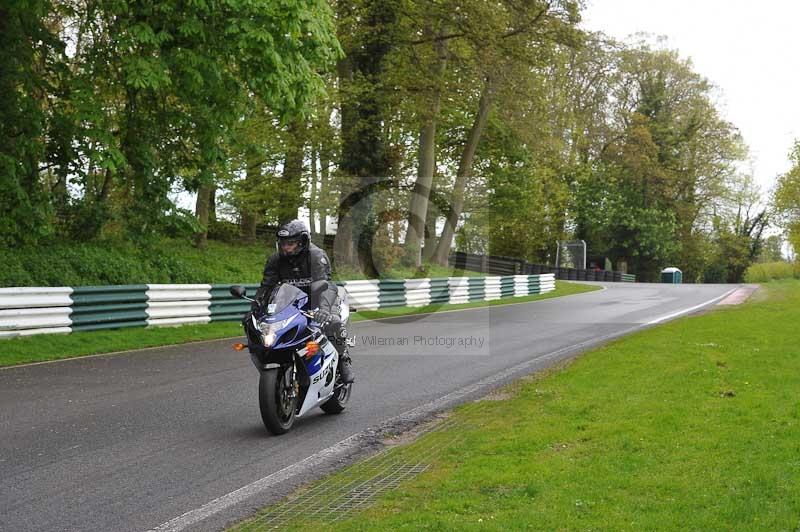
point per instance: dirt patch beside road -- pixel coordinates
(740, 295)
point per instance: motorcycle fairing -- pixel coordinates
(321, 370)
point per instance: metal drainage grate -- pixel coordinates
(356, 487)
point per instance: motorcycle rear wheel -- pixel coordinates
(277, 408)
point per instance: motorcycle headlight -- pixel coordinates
(269, 331)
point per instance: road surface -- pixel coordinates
(172, 437)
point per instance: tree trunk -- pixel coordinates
(324, 187)
(430, 232)
(105, 190)
(291, 198)
(249, 216)
(464, 173)
(313, 201)
(212, 205)
(418, 209)
(417, 212)
(201, 211)
(344, 250)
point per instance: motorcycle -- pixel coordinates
(298, 364)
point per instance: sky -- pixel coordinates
(748, 50)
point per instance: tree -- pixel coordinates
(504, 123)
(505, 41)
(666, 162)
(365, 159)
(432, 66)
(772, 249)
(739, 225)
(148, 94)
(32, 68)
(787, 198)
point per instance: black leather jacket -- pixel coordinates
(301, 270)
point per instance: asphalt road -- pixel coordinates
(133, 441)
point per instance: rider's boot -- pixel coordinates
(345, 368)
(340, 341)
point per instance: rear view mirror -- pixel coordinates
(238, 291)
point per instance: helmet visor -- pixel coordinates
(289, 245)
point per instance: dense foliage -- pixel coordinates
(165, 261)
(108, 105)
(787, 198)
(762, 272)
(405, 127)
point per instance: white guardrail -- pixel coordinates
(37, 310)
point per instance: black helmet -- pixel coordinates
(294, 231)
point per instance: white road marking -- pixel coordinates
(231, 499)
(689, 310)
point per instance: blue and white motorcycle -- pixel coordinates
(299, 365)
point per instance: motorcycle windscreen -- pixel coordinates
(283, 296)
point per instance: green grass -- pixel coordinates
(693, 425)
(44, 347)
(53, 347)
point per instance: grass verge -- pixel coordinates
(54, 347)
(693, 425)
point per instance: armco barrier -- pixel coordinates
(26, 311)
(440, 290)
(418, 292)
(178, 304)
(108, 307)
(363, 294)
(522, 285)
(225, 307)
(498, 265)
(458, 288)
(391, 293)
(492, 288)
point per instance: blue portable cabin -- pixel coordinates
(671, 275)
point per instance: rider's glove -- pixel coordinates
(323, 317)
(255, 305)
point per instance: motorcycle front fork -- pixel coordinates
(290, 382)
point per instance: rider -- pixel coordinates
(299, 262)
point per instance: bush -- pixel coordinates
(223, 231)
(14, 271)
(114, 262)
(771, 271)
(122, 262)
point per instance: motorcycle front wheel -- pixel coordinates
(276, 401)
